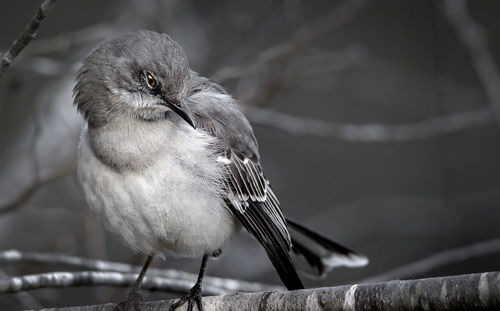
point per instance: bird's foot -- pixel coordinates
(132, 303)
(217, 253)
(193, 296)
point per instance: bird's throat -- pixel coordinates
(129, 145)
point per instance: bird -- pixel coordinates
(170, 165)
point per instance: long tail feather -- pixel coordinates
(321, 253)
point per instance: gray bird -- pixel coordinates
(171, 166)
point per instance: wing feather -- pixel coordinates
(249, 194)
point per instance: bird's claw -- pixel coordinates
(193, 296)
(134, 299)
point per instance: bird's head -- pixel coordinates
(142, 75)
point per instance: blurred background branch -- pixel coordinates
(434, 261)
(301, 38)
(370, 132)
(65, 41)
(98, 278)
(282, 53)
(27, 35)
(36, 184)
(223, 285)
(475, 40)
(266, 75)
(24, 298)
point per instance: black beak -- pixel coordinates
(182, 110)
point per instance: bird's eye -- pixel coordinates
(151, 80)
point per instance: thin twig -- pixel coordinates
(98, 278)
(479, 249)
(24, 298)
(38, 182)
(373, 132)
(475, 40)
(66, 40)
(460, 292)
(34, 142)
(27, 35)
(229, 285)
(300, 38)
(44, 66)
(274, 61)
(326, 62)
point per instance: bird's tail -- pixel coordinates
(321, 253)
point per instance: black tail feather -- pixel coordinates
(262, 228)
(321, 253)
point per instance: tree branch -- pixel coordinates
(98, 278)
(473, 37)
(468, 31)
(374, 132)
(462, 292)
(439, 259)
(38, 182)
(262, 78)
(222, 284)
(300, 38)
(25, 298)
(66, 40)
(27, 35)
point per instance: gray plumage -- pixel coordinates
(173, 166)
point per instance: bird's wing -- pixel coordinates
(248, 194)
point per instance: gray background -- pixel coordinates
(393, 62)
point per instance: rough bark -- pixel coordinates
(462, 292)
(27, 35)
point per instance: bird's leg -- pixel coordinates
(194, 294)
(133, 297)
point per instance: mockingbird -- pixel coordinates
(171, 165)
